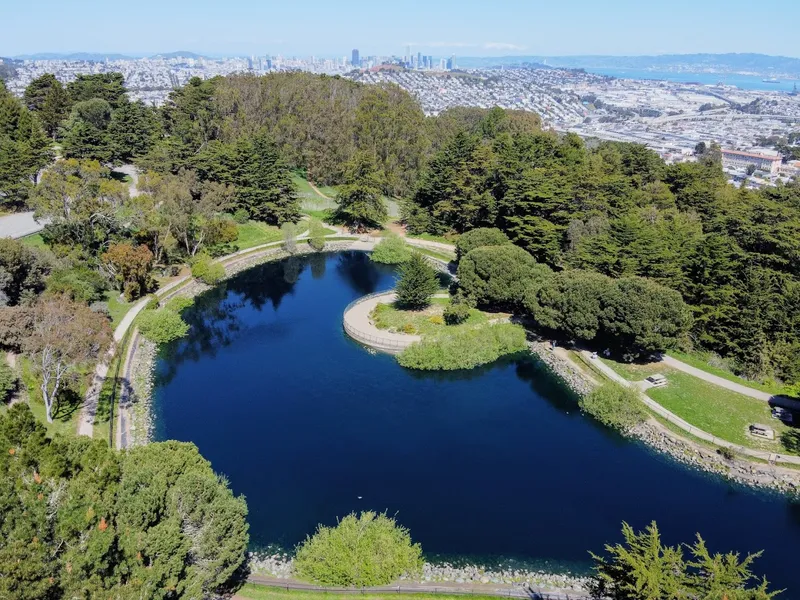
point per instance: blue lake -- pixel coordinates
(309, 426)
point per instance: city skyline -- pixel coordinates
(246, 27)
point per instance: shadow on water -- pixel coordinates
(360, 272)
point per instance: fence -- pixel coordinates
(391, 345)
(522, 591)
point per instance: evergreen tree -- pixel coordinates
(47, 97)
(360, 204)
(417, 283)
(132, 131)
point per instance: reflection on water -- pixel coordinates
(494, 461)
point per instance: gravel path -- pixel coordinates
(359, 326)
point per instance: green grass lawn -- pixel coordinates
(253, 234)
(713, 409)
(34, 240)
(262, 592)
(701, 362)
(117, 307)
(427, 322)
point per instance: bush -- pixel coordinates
(436, 320)
(8, 380)
(456, 313)
(417, 283)
(207, 271)
(464, 349)
(178, 304)
(289, 231)
(80, 283)
(241, 216)
(477, 238)
(391, 250)
(162, 326)
(615, 405)
(499, 276)
(316, 235)
(408, 328)
(153, 303)
(366, 550)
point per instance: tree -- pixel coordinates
(22, 272)
(105, 86)
(47, 97)
(65, 336)
(130, 266)
(750, 169)
(365, 550)
(162, 326)
(68, 190)
(316, 235)
(80, 283)
(359, 201)
(476, 238)
(133, 129)
(206, 270)
(498, 276)
(86, 131)
(644, 569)
(417, 283)
(84, 521)
(193, 210)
(8, 381)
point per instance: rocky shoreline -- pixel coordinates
(658, 437)
(279, 564)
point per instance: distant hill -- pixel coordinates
(761, 64)
(179, 54)
(7, 68)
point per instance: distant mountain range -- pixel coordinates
(99, 57)
(761, 64)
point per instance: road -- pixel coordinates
(19, 225)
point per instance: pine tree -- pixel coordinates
(417, 283)
(360, 202)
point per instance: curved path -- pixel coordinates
(19, 225)
(359, 326)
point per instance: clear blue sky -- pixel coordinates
(439, 27)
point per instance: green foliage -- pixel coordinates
(206, 270)
(22, 272)
(456, 313)
(391, 250)
(477, 238)
(615, 406)
(241, 216)
(417, 283)
(79, 283)
(109, 87)
(644, 569)
(132, 131)
(8, 380)
(162, 326)
(316, 235)
(464, 349)
(83, 521)
(359, 201)
(49, 100)
(290, 232)
(360, 551)
(498, 276)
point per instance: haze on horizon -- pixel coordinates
(466, 28)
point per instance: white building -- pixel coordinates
(741, 160)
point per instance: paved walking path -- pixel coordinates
(676, 420)
(358, 325)
(19, 225)
(716, 380)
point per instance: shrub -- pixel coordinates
(207, 271)
(477, 238)
(241, 216)
(8, 380)
(465, 349)
(153, 303)
(391, 250)
(316, 235)
(289, 231)
(615, 405)
(162, 326)
(437, 320)
(408, 328)
(499, 276)
(417, 283)
(178, 304)
(80, 283)
(131, 268)
(366, 550)
(456, 313)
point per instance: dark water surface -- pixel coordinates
(498, 461)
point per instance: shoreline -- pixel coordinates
(685, 451)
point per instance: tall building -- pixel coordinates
(356, 60)
(430, 62)
(419, 60)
